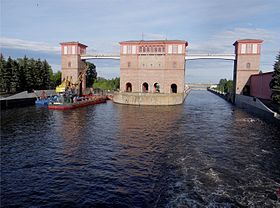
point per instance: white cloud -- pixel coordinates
(222, 41)
(13, 43)
(153, 36)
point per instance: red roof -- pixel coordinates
(248, 41)
(73, 43)
(154, 42)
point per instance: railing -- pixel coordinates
(210, 56)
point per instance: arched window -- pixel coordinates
(156, 87)
(248, 66)
(174, 64)
(128, 64)
(69, 64)
(145, 87)
(128, 87)
(174, 88)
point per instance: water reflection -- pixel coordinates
(203, 153)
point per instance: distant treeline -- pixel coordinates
(225, 86)
(17, 75)
(107, 84)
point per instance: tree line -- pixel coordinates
(275, 82)
(17, 75)
(225, 86)
(107, 84)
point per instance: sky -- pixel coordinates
(36, 27)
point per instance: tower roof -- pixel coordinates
(154, 42)
(73, 43)
(248, 41)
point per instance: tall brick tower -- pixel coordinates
(247, 63)
(71, 63)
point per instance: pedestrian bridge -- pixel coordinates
(210, 56)
(188, 56)
(100, 56)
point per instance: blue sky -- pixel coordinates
(36, 27)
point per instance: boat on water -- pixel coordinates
(42, 102)
(65, 103)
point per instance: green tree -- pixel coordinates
(15, 77)
(110, 84)
(56, 79)
(275, 82)
(23, 67)
(91, 74)
(8, 75)
(46, 75)
(37, 73)
(229, 86)
(222, 84)
(30, 75)
(2, 72)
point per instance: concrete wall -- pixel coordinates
(259, 85)
(255, 106)
(149, 98)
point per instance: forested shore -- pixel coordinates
(21, 74)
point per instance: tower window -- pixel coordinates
(65, 49)
(69, 64)
(73, 50)
(175, 49)
(128, 64)
(248, 66)
(174, 64)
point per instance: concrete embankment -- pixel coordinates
(252, 105)
(150, 98)
(23, 99)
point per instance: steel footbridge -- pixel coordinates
(230, 57)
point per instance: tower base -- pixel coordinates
(134, 98)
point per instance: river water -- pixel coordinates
(204, 153)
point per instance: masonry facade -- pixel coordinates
(71, 63)
(153, 66)
(247, 63)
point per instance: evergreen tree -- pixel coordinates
(2, 72)
(8, 75)
(38, 73)
(275, 82)
(23, 67)
(46, 75)
(29, 75)
(91, 74)
(15, 77)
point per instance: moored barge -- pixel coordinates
(77, 102)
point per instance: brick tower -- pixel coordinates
(247, 63)
(71, 64)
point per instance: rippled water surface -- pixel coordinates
(204, 153)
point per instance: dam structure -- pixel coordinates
(152, 72)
